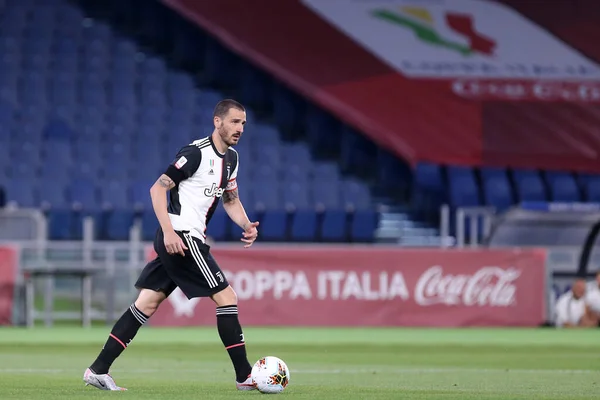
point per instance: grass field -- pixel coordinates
(190, 363)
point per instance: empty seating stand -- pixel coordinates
(89, 120)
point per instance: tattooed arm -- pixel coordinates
(234, 208)
(158, 193)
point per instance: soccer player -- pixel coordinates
(201, 173)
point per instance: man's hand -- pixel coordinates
(250, 233)
(174, 244)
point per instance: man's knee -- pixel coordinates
(225, 297)
(149, 300)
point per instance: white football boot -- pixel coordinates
(248, 384)
(101, 381)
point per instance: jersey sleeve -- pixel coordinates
(185, 164)
(232, 182)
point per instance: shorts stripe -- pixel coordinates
(193, 247)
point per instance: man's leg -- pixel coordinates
(126, 328)
(232, 336)
(121, 335)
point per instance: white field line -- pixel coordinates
(325, 371)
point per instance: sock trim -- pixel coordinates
(118, 340)
(141, 318)
(235, 345)
(227, 310)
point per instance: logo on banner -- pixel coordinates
(448, 39)
(420, 21)
(489, 286)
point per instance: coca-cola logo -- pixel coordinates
(489, 286)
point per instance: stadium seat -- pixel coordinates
(118, 223)
(273, 225)
(562, 186)
(462, 187)
(529, 185)
(61, 224)
(304, 226)
(496, 188)
(218, 225)
(364, 223)
(334, 226)
(149, 225)
(428, 188)
(99, 118)
(591, 188)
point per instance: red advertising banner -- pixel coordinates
(8, 268)
(361, 286)
(457, 85)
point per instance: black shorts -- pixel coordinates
(197, 274)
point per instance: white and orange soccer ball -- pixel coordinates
(270, 375)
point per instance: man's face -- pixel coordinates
(231, 126)
(579, 289)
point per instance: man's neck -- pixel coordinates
(221, 147)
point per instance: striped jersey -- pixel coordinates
(207, 174)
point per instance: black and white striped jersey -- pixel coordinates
(201, 175)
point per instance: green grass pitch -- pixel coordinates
(190, 363)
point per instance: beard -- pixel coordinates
(225, 136)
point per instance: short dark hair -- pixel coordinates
(222, 107)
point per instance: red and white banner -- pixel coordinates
(362, 286)
(461, 81)
(8, 269)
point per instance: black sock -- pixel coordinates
(121, 335)
(232, 337)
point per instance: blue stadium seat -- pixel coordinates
(114, 194)
(334, 226)
(562, 186)
(496, 188)
(61, 224)
(355, 194)
(497, 193)
(529, 185)
(364, 223)
(149, 225)
(296, 195)
(592, 189)
(83, 194)
(140, 194)
(21, 193)
(118, 223)
(462, 187)
(52, 194)
(273, 225)
(304, 226)
(428, 188)
(218, 225)
(326, 194)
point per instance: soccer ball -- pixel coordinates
(270, 375)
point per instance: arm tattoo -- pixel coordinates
(166, 182)
(230, 196)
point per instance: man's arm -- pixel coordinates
(158, 194)
(234, 208)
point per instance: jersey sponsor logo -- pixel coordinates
(214, 191)
(181, 162)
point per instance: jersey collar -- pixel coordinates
(217, 152)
